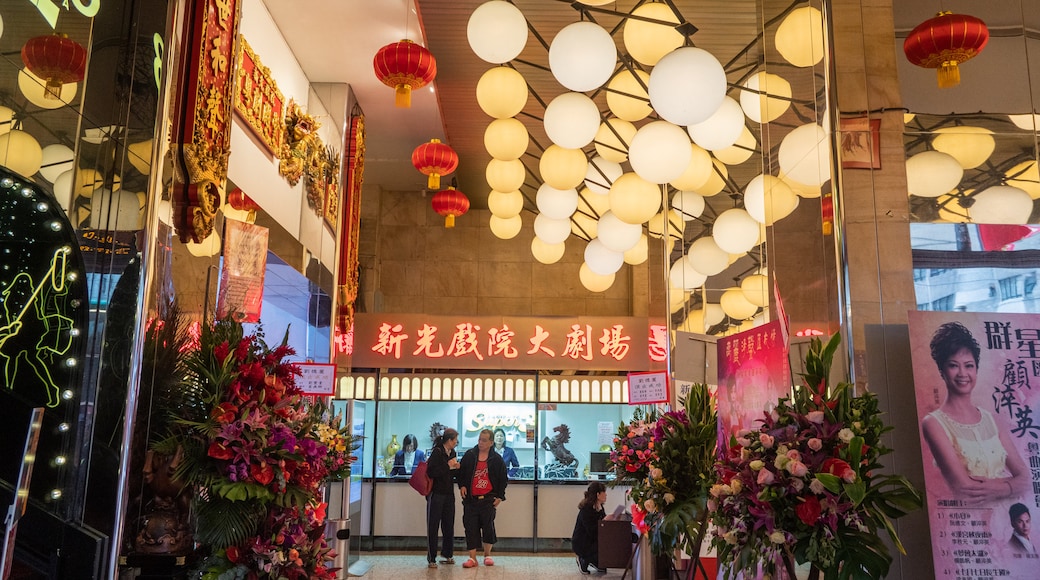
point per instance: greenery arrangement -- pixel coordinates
(806, 486)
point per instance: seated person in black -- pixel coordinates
(585, 538)
(408, 457)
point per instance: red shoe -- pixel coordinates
(488, 561)
(471, 563)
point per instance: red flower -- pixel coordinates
(838, 468)
(319, 513)
(225, 412)
(263, 474)
(233, 555)
(808, 511)
(221, 352)
(219, 451)
(242, 350)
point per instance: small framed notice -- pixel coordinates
(647, 388)
(317, 378)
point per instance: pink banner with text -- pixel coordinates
(754, 373)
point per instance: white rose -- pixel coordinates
(777, 537)
(756, 465)
(846, 435)
(668, 498)
(816, 486)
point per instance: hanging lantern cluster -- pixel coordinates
(434, 159)
(450, 203)
(944, 42)
(57, 59)
(404, 66)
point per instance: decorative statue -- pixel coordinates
(565, 464)
(301, 145)
(164, 527)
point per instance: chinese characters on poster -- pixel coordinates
(753, 374)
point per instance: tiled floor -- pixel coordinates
(508, 566)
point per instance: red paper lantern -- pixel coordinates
(943, 42)
(450, 203)
(55, 59)
(404, 66)
(434, 159)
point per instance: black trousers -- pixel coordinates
(440, 513)
(478, 517)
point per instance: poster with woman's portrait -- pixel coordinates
(977, 383)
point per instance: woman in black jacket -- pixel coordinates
(440, 504)
(585, 538)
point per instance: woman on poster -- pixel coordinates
(979, 462)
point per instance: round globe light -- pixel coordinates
(551, 231)
(571, 120)
(594, 282)
(20, 152)
(707, 257)
(682, 275)
(505, 204)
(563, 168)
(601, 175)
(601, 259)
(617, 235)
(735, 231)
(648, 42)
(799, 38)
(57, 159)
(716, 180)
(582, 56)
(35, 90)
(593, 204)
(584, 226)
(713, 314)
(721, 129)
(497, 31)
(970, 146)
(547, 253)
(765, 97)
(638, 253)
(505, 175)
(140, 156)
(1025, 177)
(505, 228)
(118, 211)
(735, 305)
(1001, 204)
(694, 322)
(740, 151)
(800, 189)
(501, 92)
(6, 119)
(698, 171)
(804, 155)
(633, 199)
(767, 199)
(660, 152)
(656, 225)
(756, 289)
(627, 97)
(951, 210)
(558, 204)
(506, 139)
(1027, 122)
(88, 180)
(207, 248)
(63, 190)
(932, 173)
(612, 139)
(687, 86)
(677, 298)
(688, 204)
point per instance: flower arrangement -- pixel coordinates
(633, 449)
(806, 485)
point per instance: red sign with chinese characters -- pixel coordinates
(508, 342)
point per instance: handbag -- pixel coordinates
(420, 481)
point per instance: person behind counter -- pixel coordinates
(507, 453)
(442, 467)
(408, 458)
(482, 485)
(585, 537)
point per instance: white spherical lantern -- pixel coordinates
(612, 139)
(571, 120)
(497, 31)
(1026, 177)
(582, 56)
(735, 231)
(716, 180)
(951, 210)
(721, 129)
(601, 259)
(1027, 122)
(505, 204)
(638, 253)
(735, 305)
(707, 257)
(1001, 204)
(506, 139)
(799, 38)
(633, 199)
(648, 42)
(35, 90)
(207, 248)
(57, 159)
(687, 86)
(932, 173)
(697, 172)
(688, 204)
(660, 152)
(682, 275)
(505, 175)
(627, 98)
(120, 210)
(804, 155)
(140, 156)
(594, 282)
(970, 146)
(20, 152)
(767, 199)
(601, 174)
(713, 314)
(547, 253)
(800, 189)
(740, 151)
(558, 204)
(617, 235)
(675, 225)
(501, 92)
(694, 322)
(63, 190)
(6, 119)
(765, 97)
(551, 231)
(563, 168)
(505, 228)
(756, 289)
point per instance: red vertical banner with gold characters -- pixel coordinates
(350, 225)
(202, 117)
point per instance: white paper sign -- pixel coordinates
(605, 431)
(647, 388)
(317, 378)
